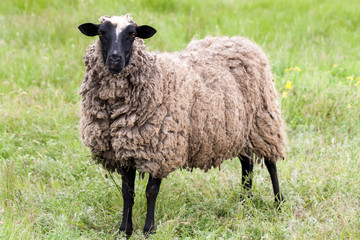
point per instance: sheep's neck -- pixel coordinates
(144, 93)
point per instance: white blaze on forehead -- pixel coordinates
(121, 22)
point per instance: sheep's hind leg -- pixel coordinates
(271, 166)
(128, 184)
(152, 190)
(247, 167)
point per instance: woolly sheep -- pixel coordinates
(156, 112)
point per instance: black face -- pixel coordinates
(116, 49)
(116, 46)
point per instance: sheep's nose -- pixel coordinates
(115, 58)
(115, 63)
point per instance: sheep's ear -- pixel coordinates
(89, 29)
(145, 31)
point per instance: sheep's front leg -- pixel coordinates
(271, 166)
(152, 190)
(128, 184)
(247, 167)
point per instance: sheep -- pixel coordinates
(156, 112)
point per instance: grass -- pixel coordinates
(49, 189)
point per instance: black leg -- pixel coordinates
(128, 184)
(247, 168)
(271, 166)
(152, 191)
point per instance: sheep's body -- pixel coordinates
(190, 109)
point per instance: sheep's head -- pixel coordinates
(117, 35)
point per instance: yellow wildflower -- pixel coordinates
(288, 85)
(349, 106)
(335, 65)
(357, 83)
(304, 96)
(350, 78)
(295, 69)
(285, 94)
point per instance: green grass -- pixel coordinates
(49, 188)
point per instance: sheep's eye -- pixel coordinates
(101, 33)
(133, 35)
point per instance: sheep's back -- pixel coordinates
(234, 107)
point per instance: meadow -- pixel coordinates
(49, 188)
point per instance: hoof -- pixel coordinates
(246, 195)
(127, 232)
(279, 200)
(148, 231)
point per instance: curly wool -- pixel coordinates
(195, 108)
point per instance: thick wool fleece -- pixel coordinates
(190, 109)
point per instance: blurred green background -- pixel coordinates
(49, 188)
